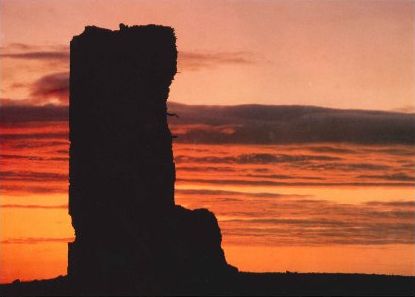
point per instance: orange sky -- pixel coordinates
(346, 206)
(347, 54)
(316, 207)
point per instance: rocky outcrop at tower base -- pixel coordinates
(130, 235)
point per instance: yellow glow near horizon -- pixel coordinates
(342, 54)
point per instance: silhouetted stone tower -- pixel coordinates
(129, 233)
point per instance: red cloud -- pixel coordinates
(52, 86)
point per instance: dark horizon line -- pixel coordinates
(7, 103)
(265, 273)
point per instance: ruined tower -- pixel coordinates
(129, 233)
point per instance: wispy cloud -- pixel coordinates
(36, 240)
(55, 85)
(53, 135)
(247, 124)
(32, 176)
(260, 124)
(255, 158)
(393, 177)
(406, 109)
(32, 158)
(206, 169)
(331, 149)
(24, 189)
(317, 222)
(216, 192)
(26, 113)
(300, 220)
(282, 176)
(34, 206)
(398, 151)
(57, 55)
(187, 60)
(348, 166)
(266, 182)
(200, 60)
(37, 145)
(404, 204)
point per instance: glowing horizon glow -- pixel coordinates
(262, 219)
(321, 207)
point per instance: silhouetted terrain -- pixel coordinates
(130, 235)
(256, 284)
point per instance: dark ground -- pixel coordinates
(255, 284)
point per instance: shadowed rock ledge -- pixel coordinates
(130, 235)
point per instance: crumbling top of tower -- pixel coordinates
(146, 55)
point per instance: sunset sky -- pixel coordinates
(347, 54)
(294, 188)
